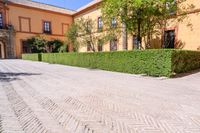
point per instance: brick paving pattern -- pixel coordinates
(44, 98)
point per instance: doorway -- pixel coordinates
(169, 39)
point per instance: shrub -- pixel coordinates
(150, 62)
(55, 46)
(32, 57)
(39, 44)
(162, 62)
(184, 61)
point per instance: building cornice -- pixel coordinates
(88, 7)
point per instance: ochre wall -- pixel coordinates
(93, 14)
(28, 22)
(187, 37)
(187, 31)
(32, 24)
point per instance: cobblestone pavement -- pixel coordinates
(43, 98)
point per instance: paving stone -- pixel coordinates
(39, 97)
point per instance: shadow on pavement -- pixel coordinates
(181, 75)
(7, 77)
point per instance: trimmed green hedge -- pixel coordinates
(151, 62)
(32, 57)
(162, 62)
(184, 61)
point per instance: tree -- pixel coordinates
(90, 35)
(84, 32)
(39, 44)
(63, 48)
(144, 17)
(55, 46)
(72, 37)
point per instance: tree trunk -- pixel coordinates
(92, 43)
(148, 40)
(125, 37)
(139, 34)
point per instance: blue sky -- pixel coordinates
(70, 4)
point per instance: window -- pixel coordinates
(47, 27)
(113, 45)
(100, 46)
(169, 39)
(114, 23)
(1, 21)
(100, 23)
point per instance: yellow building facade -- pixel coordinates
(182, 35)
(23, 19)
(93, 12)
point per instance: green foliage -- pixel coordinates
(32, 57)
(63, 48)
(56, 46)
(144, 17)
(84, 32)
(72, 36)
(163, 62)
(151, 62)
(184, 61)
(39, 44)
